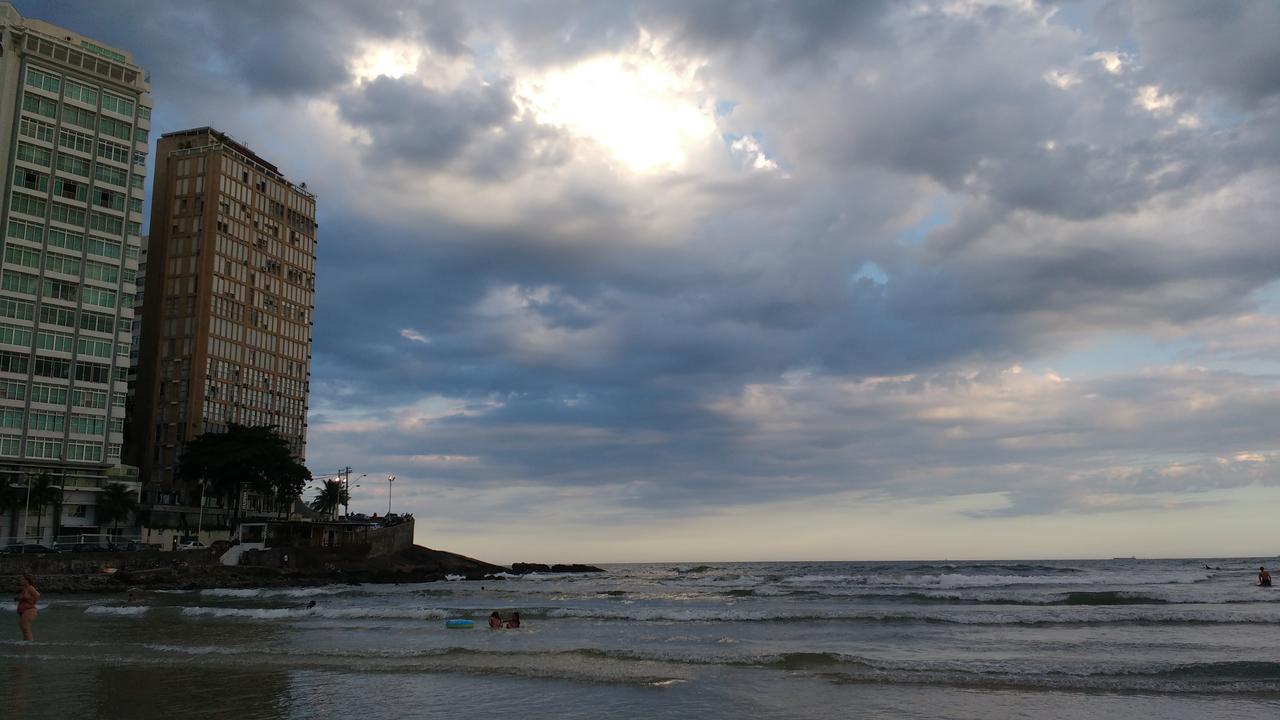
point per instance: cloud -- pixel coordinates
(639, 260)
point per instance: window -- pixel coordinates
(64, 239)
(137, 181)
(96, 322)
(116, 425)
(56, 341)
(14, 362)
(88, 424)
(83, 93)
(44, 448)
(50, 422)
(39, 105)
(117, 105)
(67, 214)
(92, 372)
(101, 271)
(30, 179)
(144, 112)
(15, 335)
(77, 511)
(37, 78)
(11, 390)
(140, 159)
(140, 135)
(11, 418)
(21, 256)
(75, 140)
(78, 117)
(48, 394)
(9, 445)
(106, 223)
(113, 450)
(113, 152)
(52, 367)
(54, 315)
(61, 290)
(19, 282)
(16, 309)
(115, 128)
(87, 452)
(74, 165)
(62, 264)
(117, 399)
(108, 174)
(108, 199)
(94, 348)
(36, 129)
(133, 228)
(26, 231)
(105, 248)
(97, 296)
(70, 189)
(29, 205)
(34, 155)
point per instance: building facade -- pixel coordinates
(74, 124)
(226, 328)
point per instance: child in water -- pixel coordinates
(1264, 577)
(495, 621)
(514, 622)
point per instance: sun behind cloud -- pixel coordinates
(645, 108)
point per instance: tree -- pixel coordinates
(329, 497)
(116, 503)
(244, 458)
(44, 492)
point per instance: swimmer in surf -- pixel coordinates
(514, 622)
(1264, 577)
(495, 621)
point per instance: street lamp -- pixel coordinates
(348, 502)
(390, 479)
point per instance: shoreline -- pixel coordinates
(416, 564)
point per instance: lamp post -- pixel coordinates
(390, 479)
(200, 515)
(348, 488)
(26, 512)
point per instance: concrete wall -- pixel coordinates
(385, 541)
(93, 563)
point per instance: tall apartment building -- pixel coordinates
(74, 123)
(226, 329)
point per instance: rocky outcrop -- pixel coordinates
(526, 568)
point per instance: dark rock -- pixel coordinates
(526, 568)
(575, 568)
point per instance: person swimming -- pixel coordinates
(495, 621)
(1264, 577)
(514, 622)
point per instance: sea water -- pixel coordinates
(1036, 639)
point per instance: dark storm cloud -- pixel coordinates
(1222, 47)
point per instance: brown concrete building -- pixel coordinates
(74, 129)
(226, 327)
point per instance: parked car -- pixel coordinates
(82, 547)
(193, 545)
(31, 549)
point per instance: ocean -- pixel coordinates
(1034, 639)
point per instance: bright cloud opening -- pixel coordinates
(645, 109)
(393, 60)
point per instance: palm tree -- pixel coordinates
(116, 503)
(329, 497)
(43, 493)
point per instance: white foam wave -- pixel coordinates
(957, 580)
(996, 615)
(317, 612)
(125, 610)
(275, 592)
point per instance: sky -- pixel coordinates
(749, 280)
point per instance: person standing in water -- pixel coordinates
(1264, 577)
(495, 621)
(27, 597)
(514, 622)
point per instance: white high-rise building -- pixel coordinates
(74, 123)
